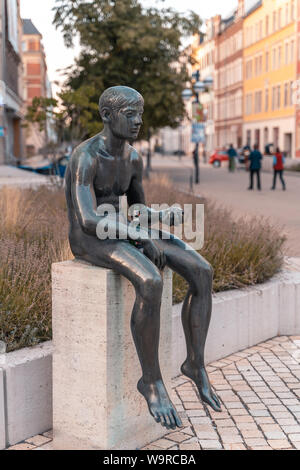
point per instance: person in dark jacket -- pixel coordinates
(278, 167)
(232, 154)
(255, 160)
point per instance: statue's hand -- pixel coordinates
(154, 253)
(173, 216)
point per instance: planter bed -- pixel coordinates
(241, 319)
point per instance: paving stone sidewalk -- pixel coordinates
(260, 393)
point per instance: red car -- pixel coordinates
(218, 157)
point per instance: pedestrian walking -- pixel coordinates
(255, 159)
(232, 155)
(278, 167)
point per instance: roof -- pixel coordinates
(29, 28)
(226, 22)
(254, 7)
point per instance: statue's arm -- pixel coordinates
(136, 195)
(83, 172)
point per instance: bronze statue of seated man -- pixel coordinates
(101, 170)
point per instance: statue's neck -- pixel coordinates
(115, 147)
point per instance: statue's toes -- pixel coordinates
(210, 400)
(177, 419)
(156, 416)
(216, 400)
(171, 420)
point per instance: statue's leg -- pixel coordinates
(145, 322)
(196, 311)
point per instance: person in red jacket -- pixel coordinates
(278, 167)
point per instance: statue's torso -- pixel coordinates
(112, 179)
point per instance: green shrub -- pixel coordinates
(242, 252)
(33, 235)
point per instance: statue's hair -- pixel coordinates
(117, 97)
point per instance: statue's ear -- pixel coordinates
(106, 114)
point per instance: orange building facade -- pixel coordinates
(35, 80)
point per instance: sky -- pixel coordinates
(59, 57)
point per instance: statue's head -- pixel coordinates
(121, 109)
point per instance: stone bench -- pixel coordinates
(96, 404)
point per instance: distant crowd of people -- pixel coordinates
(253, 162)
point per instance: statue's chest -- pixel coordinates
(112, 178)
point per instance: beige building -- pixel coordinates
(229, 79)
(11, 83)
(204, 60)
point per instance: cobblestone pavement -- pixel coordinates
(259, 389)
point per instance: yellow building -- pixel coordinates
(269, 72)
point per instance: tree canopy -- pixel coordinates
(126, 44)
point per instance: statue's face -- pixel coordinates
(126, 123)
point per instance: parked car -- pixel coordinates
(45, 167)
(218, 157)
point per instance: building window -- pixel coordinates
(292, 50)
(266, 100)
(286, 53)
(33, 45)
(291, 94)
(260, 29)
(274, 21)
(33, 92)
(279, 57)
(287, 13)
(274, 59)
(273, 98)
(293, 10)
(249, 69)
(267, 62)
(249, 137)
(267, 25)
(286, 94)
(279, 18)
(266, 136)
(278, 103)
(258, 102)
(249, 104)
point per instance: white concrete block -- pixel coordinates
(96, 404)
(28, 392)
(2, 413)
(227, 328)
(263, 312)
(245, 317)
(289, 304)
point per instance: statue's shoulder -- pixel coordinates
(86, 152)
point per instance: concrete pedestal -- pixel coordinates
(96, 404)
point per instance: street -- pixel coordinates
(230, 189)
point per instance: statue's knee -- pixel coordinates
(202, 277)
(151, 287)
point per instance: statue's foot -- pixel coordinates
(200, 377)
(159, 404)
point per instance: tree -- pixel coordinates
(125, 44)
(71, 114)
